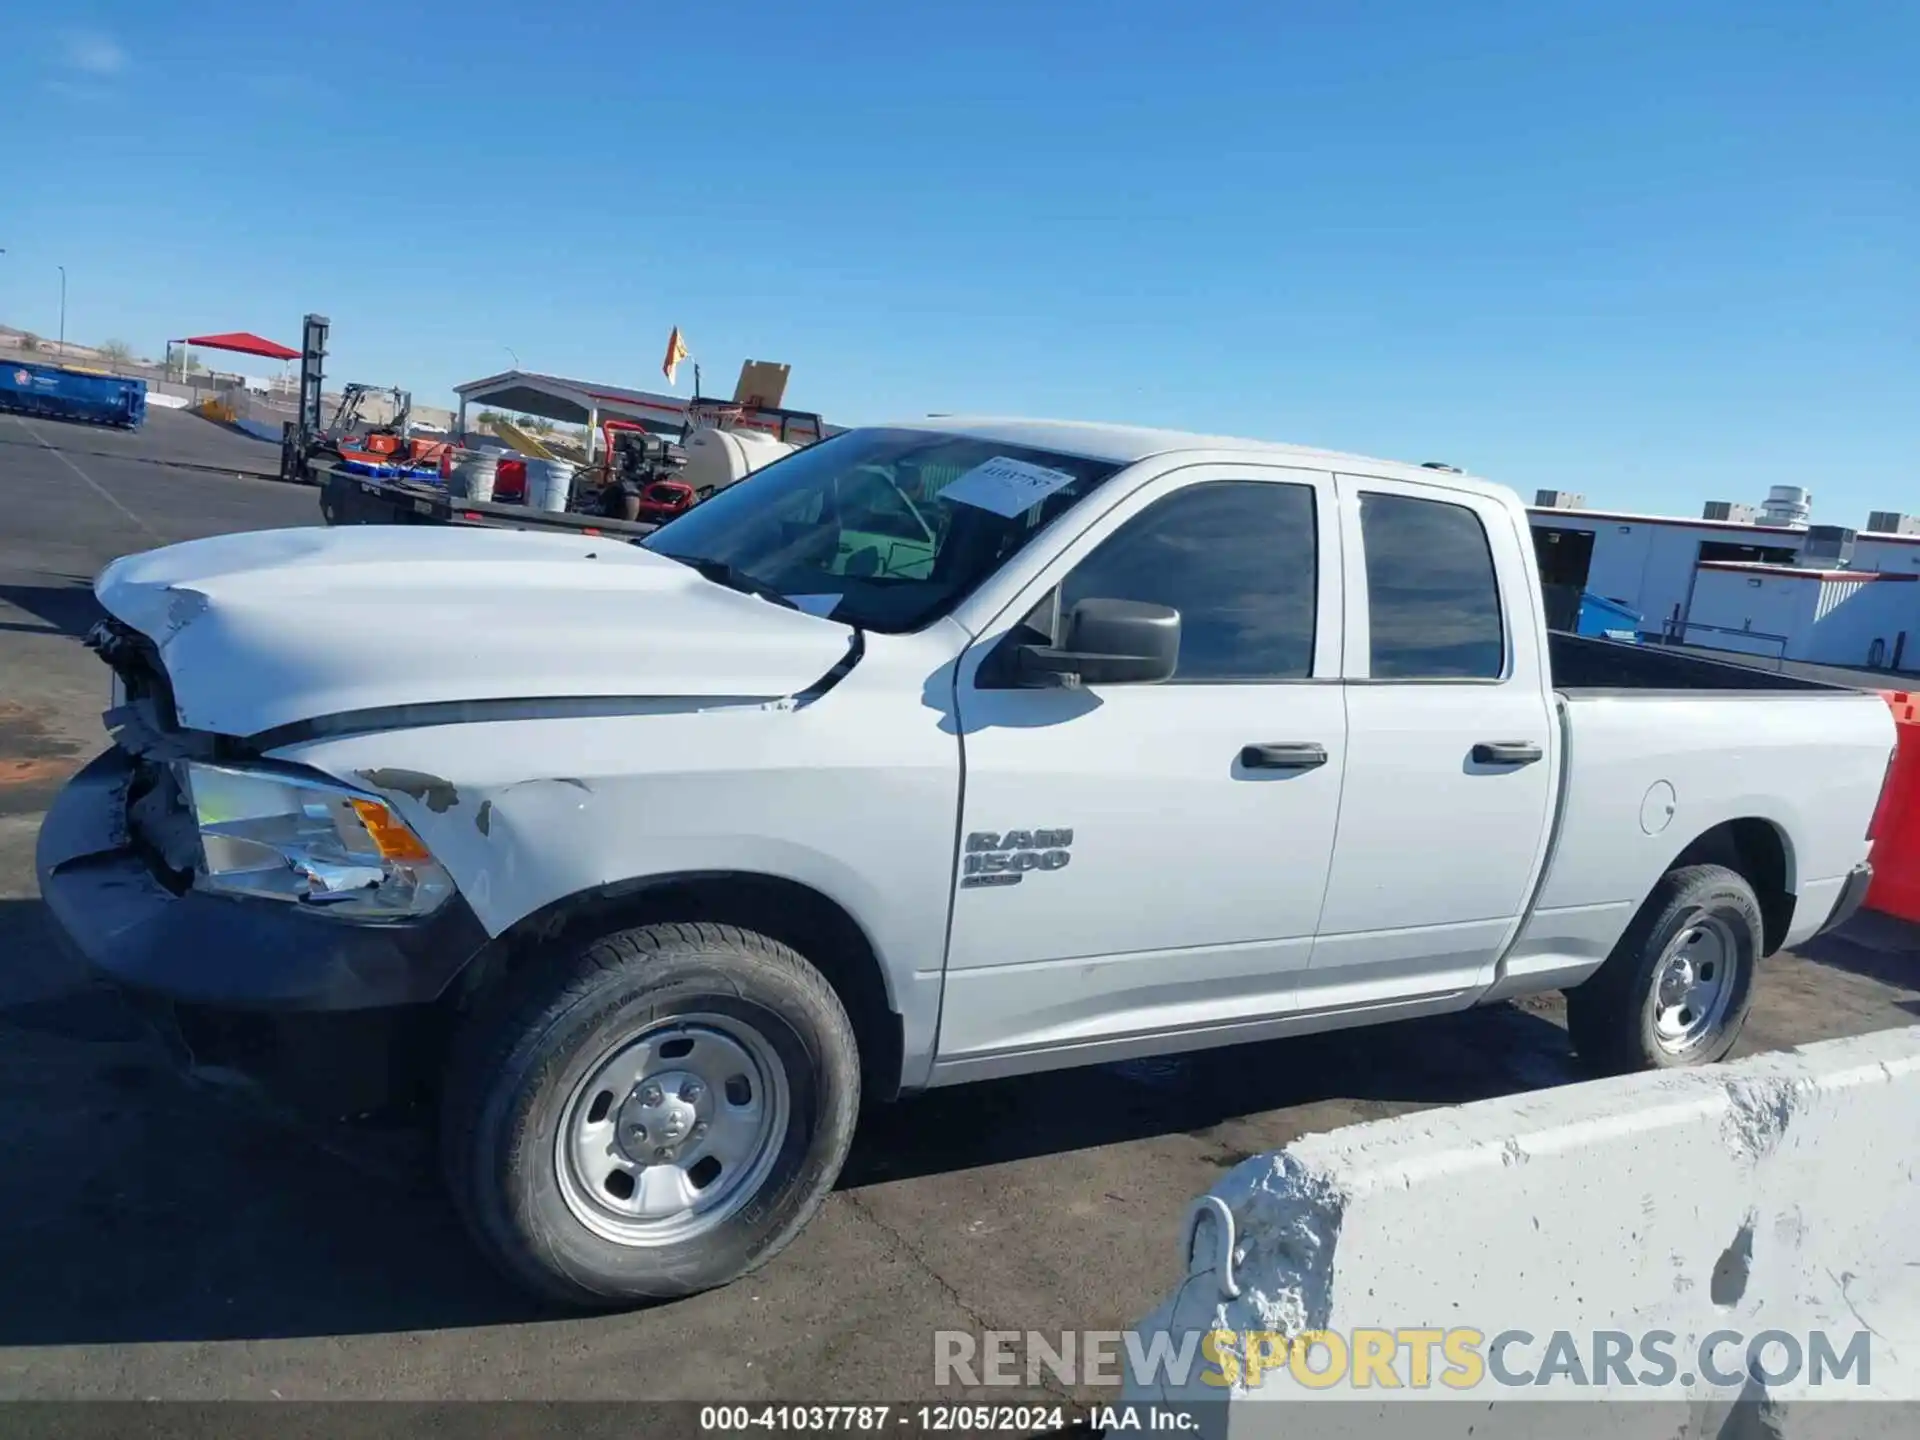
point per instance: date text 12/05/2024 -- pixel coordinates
(721, 1420)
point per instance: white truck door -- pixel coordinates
(1142, 858)
(1452, 747)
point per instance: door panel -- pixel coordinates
(1161, 881)
(1193, 885)
(1438, 845)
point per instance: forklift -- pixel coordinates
(305, 439)
(301, 438)
(387, 438)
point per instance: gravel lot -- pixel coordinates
(161, 1239)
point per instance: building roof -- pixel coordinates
(1800, 572)
(555, 397)
(1634, 518)
(1124, 444)
(1684, 522)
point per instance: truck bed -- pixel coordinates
(1583, 665)
(350, 499)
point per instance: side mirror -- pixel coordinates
(1107, 642)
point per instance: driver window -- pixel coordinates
(1237, 559)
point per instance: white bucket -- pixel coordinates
(549, 484)
(471, 475)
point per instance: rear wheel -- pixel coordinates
(658, 1115)
(1678, 985)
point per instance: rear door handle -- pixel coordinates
(1296, 755)
(1507, 752)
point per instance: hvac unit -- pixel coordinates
(1787, 505)
(1828, 547)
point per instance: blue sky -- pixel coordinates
(1656, 252)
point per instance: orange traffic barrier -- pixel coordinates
(1896, 823)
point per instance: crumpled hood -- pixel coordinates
(263, 629)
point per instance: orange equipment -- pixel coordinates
(1896, 820)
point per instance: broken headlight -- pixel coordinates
(277, 836)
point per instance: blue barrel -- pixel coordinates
(58, 394)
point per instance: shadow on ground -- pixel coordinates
(1875, 946)
(66, 605)
(140, 1206)
(1447, 1060)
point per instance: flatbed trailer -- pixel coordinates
(350, 499)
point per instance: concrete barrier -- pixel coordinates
(1763, 1217)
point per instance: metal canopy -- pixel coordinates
(524, 400)
(245, 342)
(573, 402)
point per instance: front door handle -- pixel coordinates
(1296, 755)
(1507, 752)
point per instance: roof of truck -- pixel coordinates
(1125, 444)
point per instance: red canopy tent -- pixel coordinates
(245, 343)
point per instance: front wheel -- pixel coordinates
(1678, 985)
(658, 1115)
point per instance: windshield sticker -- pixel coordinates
(821, 605)
(1006, 486)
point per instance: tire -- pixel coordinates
(1617, 1019)
(747, 1050)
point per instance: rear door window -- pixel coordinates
(1432, 601)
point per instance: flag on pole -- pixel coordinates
(676, 352)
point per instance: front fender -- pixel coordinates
(525, 814)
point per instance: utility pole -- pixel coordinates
(63, 310)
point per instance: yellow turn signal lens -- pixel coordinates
(394, 840)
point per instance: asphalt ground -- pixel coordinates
(161, 1238)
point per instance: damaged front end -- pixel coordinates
(141, 720)
(249, 908)
(204, 811)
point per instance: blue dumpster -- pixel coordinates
(1607, 619)
(57, 394)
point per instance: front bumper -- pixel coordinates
(1852, 895)
(278, 987)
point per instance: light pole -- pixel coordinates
(515, 358)
(63, 308)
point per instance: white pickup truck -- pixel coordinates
(929, 753)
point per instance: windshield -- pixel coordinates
(884, 529)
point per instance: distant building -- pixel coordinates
(1775, 585)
